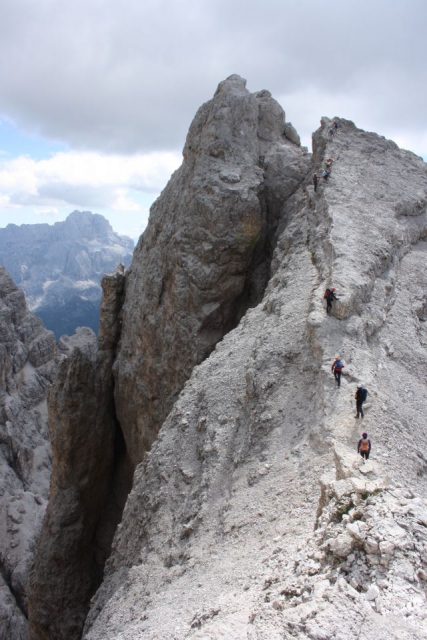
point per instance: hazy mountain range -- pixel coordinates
(59, 267)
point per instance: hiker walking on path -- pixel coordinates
(326, 168)
(360, 395)
(337, 367)
(364, 446)
(327, 164)
(329, 296)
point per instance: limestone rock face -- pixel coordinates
(60, 266)
(205, 256)
(224, 534)
(28, 364)
(88, 475)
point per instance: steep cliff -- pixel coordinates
(217, 536)
(29, 359)
(204, 258)
(90, 479)
(60, 266)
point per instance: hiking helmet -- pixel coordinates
(359, 386)
(333, 288)
(364, 435)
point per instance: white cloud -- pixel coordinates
(123, 203)
(46, 212)
(84, 180)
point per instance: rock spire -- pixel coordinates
(205, 256)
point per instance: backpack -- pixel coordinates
(364, 445)
(327, 293)
(337, 365)
(363, 394)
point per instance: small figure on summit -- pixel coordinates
(329, 296)
(337, 367)
(335, 124)
(364, 446)
(360, 395)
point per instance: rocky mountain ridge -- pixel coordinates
(29, 361)
(219, 350)
(59, 267)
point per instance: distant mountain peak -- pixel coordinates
(60, 266)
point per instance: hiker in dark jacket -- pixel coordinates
(329, 296)
(315, 181)
(337, 367)
(364, 446)
(360, 395)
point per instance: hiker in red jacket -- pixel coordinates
(337, 367)
(364, 446)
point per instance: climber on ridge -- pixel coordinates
(329, 296)
(326, 168)
(327, 164)
(360, 395)
(337, 367)
(364, 446)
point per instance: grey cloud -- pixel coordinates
(129, 76)
(60, 194)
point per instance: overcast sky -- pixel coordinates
(96, 96)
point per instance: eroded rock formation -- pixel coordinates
(203, 260)
(28, 364)
(90, 479)
(205, 256)
(216, 536)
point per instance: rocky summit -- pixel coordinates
(60, 266)
(250, 513)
